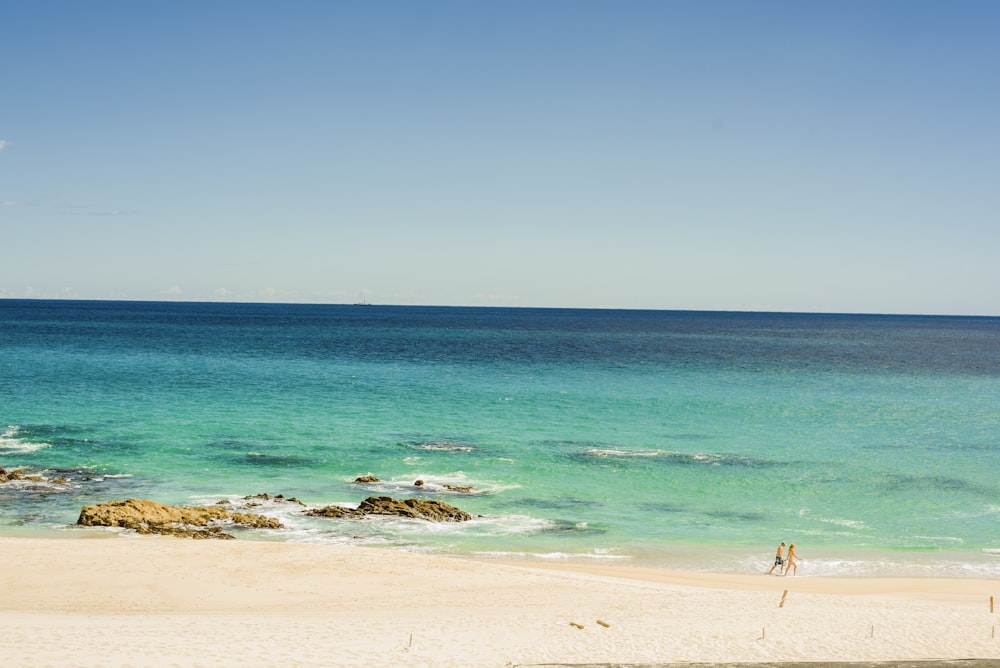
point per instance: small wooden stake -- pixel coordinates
(991, 604)
(579, 626)
(782, 604)
(604, 624)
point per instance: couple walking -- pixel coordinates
(789, 562)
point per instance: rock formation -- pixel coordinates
(150, 517)
(16, 474)
(255, 499)
(424, 509)
(461, 489)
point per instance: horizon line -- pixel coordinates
(483, 306)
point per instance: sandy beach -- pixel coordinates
(154, 601)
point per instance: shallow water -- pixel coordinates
(684, 439)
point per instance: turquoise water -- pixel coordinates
(683, 439)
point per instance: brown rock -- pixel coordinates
(146, 516)
(424, 509)
(366, 479)
(280, 498)
(462, 489)
(336, 512)
(10, 476)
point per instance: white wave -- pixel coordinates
(439, 483)
(551, 556)
(442, 446)
(10, 443)
(508, 525)
(380, 529)
(41, 480)
(890, 567)
(711, 458)
(850, 524)
(951, 540)
(612, 452)
(407, 528)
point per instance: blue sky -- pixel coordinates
(793, 156)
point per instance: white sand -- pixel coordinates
(131, 601)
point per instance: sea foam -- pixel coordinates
(11, 443)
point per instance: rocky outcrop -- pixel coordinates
(335, 512)
(366, 479)
(423, 509)
(16, 474)
(461, 489)
(256, 499)
(150, 517)
(45, 476)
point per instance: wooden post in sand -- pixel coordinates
(991, 604)
(782, 604)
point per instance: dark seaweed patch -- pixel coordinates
(689, 437)
(727, 515)
(569, 527)
(280, 461)
(936, 483)
(735, 516)
(670, 458)
(660, 508)
(552, 504)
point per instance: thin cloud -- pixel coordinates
(4, 143)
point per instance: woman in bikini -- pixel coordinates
(790, 561)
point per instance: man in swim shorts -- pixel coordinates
(778, 561)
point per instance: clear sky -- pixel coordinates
(799, 155)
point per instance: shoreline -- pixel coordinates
(822, 561)
(127, 600)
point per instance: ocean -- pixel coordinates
(694, 440)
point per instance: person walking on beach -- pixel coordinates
(778, 563)
(790, 561)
